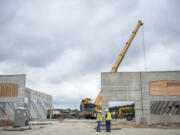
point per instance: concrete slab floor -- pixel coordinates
(85, 128)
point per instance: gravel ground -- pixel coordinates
(87, 128)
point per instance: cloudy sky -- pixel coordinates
(64, 45)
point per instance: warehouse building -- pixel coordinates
(156, 94)
(14, 94)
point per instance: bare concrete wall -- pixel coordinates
(6, 109)
(20, 80)
(9, 104)
(134, 86)
(165, 119)
(38, 103)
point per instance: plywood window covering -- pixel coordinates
(8, 90)
(164, 87)
(173, 84)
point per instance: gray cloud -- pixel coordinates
(60, 43)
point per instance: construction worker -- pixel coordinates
(99, 120)
(108, 120)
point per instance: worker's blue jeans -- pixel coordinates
(108, 126)
(98, 129)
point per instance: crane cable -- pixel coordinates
(144, 49)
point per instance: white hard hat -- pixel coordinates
(99, 111)
(107, 110)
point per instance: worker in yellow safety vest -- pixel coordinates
(108, 120)
(99, 120)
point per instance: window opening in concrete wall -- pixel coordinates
(26, 100)
(123, 110)
(38, 101)
(35, 101)
(165, 107)
(42, 102)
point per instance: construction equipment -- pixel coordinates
(128, 43)
(98, 101)
(86, 101)
(116, 65)
(58, 113)
(63, 113)
(126, 112)
(87, 109)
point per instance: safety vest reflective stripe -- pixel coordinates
(99, 117)
(108, 116)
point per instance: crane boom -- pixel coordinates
(116, 65)
(120, 58)
(97, 102)
(128, 43)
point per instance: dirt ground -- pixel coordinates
(158, 126)
(4, 123)
(88, 128)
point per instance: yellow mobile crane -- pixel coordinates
(116, 65)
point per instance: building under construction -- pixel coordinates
(14, 94)
(156, 94)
